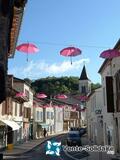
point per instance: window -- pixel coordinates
(109, 94)
(83, 89)
(15, 109)
(4, 108)
(48, 115)
(52, 115)
(41, 116)
(27, 112)
(27, 93)
(20, 112)
(38, 115)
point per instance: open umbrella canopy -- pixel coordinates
(110, 53)
(61, 96)
(41, 95)
(70, 52)
(27, 48)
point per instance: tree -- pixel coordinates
(54, 85)
(95, 86)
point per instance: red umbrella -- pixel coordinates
(70, 52)
(41, 95)
(111, 53)
(61, 96)
(27, 48)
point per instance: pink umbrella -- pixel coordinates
(27, 48)
(61, 96)
(70, 52)
(111, 53)
(21, 94)
(41, 95)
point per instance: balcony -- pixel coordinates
(74, 115)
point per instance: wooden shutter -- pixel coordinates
(21, 110)
(109, 94)
(3, 108)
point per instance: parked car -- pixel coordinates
(82, 131)
(73, 138)
(74, 129)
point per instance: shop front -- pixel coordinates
(7, 129)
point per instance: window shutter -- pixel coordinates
(109, 94)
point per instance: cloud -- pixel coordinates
(35, 69)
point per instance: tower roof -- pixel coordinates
(83, 75)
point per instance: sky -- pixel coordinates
(93, 26)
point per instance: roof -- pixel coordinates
(16, 19)
(68, 101)
(83, 75)
(23, 81)
(106, 61)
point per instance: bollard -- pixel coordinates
(1, 156)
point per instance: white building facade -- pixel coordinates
(95, 117)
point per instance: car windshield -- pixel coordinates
(73, 135)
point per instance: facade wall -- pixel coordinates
(95, 117)
(49, 119)
(115, 66)
(38, 119)
(27, 109)
(108, 120)
(58, 126)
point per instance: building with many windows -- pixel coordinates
(37, 118)
(23, 87)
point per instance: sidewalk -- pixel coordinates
(27, 146)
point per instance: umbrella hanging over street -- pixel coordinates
(61, 96)
(28, 48)
(70, 52)
(110, 53)
(41, 95)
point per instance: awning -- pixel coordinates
(12, 124)
(44, 125)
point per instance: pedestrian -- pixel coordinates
(44, 132)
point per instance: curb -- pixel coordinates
(27, 151)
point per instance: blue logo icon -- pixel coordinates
(53, 148)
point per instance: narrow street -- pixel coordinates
(38, 153)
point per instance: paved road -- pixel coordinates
(39, 153)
